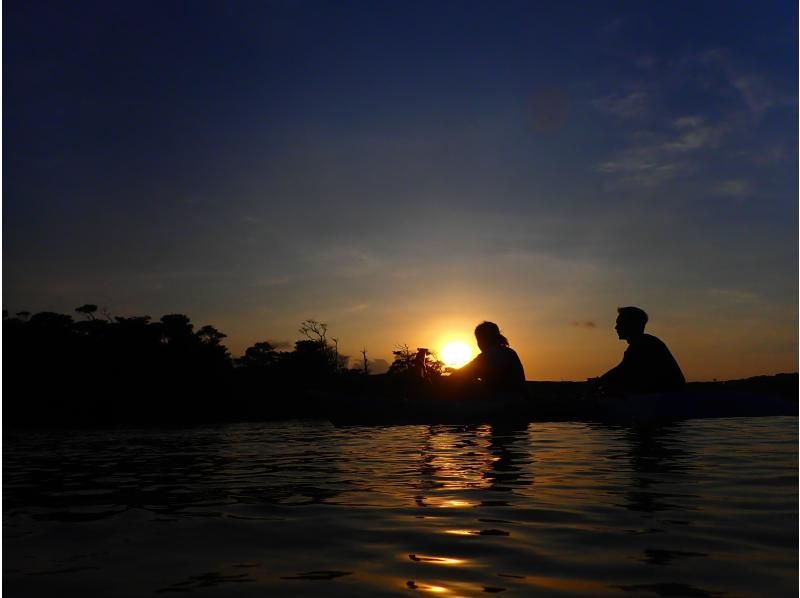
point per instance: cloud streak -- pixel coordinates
(736, 188)
(754, 92)
(627, 106)
(654, 158)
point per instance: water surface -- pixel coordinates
(701, 508)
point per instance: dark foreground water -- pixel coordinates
(703, 508)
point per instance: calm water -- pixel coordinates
(703, 508)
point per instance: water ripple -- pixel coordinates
(709, 507)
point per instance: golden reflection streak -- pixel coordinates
(436, 560)
(455, 503)
(433, 589)
(447, 459)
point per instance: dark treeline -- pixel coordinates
(98, 370)
(92, 370)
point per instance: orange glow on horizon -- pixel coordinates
(552, 350)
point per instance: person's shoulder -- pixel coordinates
(644, 343)
(498, 352)
(505, 350)
(480, 357)
(477, 361)
(653, 342)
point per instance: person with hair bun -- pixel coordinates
(497, 366)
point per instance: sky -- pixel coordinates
(405, 170)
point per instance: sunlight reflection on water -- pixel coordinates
(697, 508)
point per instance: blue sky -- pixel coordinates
(405, 170)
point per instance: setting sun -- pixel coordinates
(456, 353)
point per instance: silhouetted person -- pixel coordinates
(498, 366)
(647, 365)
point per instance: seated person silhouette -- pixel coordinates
(497, 367)
(647, 365)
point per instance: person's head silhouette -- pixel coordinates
(630, 323)
(488, 335)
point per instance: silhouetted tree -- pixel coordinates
(88, 310)
(433, 365)
(134, 334)
(336, 353)
(93, 330)
(214, 354)
(134, 321)
(309, 359)
(48, 320)
(405, 360)
(261, 356)
(314, 331)
(115, 369)
(210, 336)
(176, 328)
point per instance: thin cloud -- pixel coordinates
(734, 295)
(646, 166)
(692, 134)
(584, 324)
(352, 309)
(733, 188)
(774, 154)
(655, 158)
(348, 262)
(753, 91)
(673, 147)
(630, 106)
(687, 122)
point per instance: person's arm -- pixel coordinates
(471, 371)
(613, 375)
(615, 380)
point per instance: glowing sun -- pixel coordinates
(456, 353)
